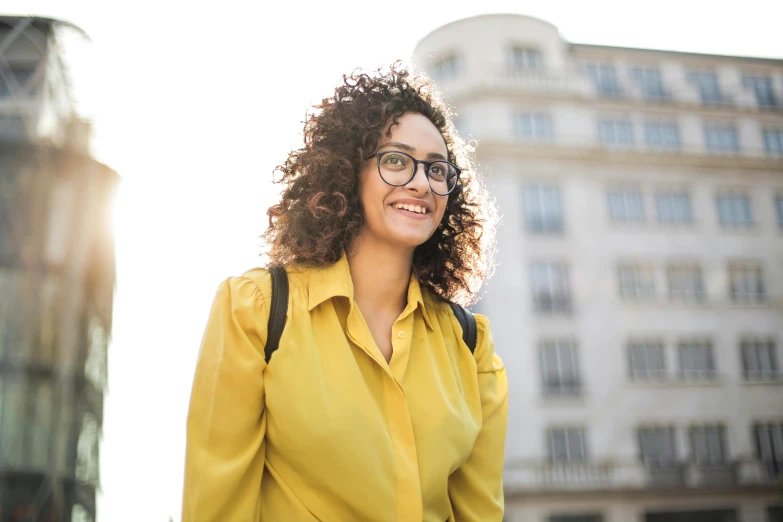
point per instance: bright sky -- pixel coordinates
(196, 107)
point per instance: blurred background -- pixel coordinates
(636, 154)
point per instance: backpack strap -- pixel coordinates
(277, 310)
(468, 323)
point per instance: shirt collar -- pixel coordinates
(330, 281)
(335, 280)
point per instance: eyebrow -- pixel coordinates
(408, 148)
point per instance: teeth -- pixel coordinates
(411, 208)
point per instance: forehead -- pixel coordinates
(419, 132)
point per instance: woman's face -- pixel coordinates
(386, 220)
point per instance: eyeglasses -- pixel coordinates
(398, 169)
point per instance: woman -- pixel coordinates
(372, 408)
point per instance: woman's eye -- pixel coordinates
(394, 160)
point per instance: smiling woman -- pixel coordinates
(373, 407)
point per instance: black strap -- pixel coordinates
(468, 323)
(277, 311)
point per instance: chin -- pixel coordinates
(410, 241)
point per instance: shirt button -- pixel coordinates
(401, 334)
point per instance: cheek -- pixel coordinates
(372, 195)
(441, 211)
(365, 191)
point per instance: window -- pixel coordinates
(775, 514)
(649, 80)
(696, 360)
(615, 133)
(543, 212)
(523, 58)
(13, 126)
(551, 291)
(762, 88)
(605, 79)
(769, 447)
(706, 82)
(662, 136)
(657, 447)
(13, 423)
(734, 209)
(64, 438)
(559, 368)
(721, 139)
(533, 126)
(685, 283)
(709, 446)
(87, 450)
(95, 364)
(12, 328)
(49, 313)
(646, 359)
(674, 207)
(80, 514)
(14, 79)
(773, 142)
(449, 67)
(779, 209)
(626, 205)
(759, 360)
(746, 283)
(637, 282)
(42, 423)
(567, 445)
(712, 515)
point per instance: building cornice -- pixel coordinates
(775, 62)
(596, 154)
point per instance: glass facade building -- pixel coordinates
(57, 276)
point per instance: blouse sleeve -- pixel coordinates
(224, 460)
(476, 488)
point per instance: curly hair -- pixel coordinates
(320, 212)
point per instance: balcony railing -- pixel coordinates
(713, 475)
(671, 476)
(529, 476)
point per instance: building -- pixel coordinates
(57, 277)
(638, 296)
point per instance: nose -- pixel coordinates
(419, 183)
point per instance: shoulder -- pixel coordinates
(486, 358)
(484, 354)
(261, 278)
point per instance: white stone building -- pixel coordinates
(638, 297)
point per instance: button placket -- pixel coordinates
(402, 339)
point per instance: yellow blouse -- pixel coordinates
(329, 431)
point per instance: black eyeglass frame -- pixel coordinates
(416, 163)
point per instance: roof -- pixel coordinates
(41, 20)
(765, 61)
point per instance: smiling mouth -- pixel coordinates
(414, 209)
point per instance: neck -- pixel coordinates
(381, 275)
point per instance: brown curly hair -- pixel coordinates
(320, 213)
